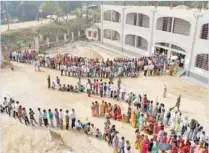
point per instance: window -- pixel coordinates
(204, 32)
(202, 61)
(89, 33)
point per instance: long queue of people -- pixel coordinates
(46, 118)
(185, 136)
(85, 67)
(151, 119)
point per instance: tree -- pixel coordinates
(5, 11)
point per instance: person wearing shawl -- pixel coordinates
(137, 138)
(93, 108)
(155, 148)
(141, 142)
(156, 130)
(145, 145)
(115, 112)
(102, 107)
(133, 119)
(138, 118)
(119, 115)
(97, 109)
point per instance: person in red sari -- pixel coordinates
(187, 147)
(181, 143)
(115, 112)
(119, 115)
(156, 130)
(93, 108)
(145, 145)
(174, 148)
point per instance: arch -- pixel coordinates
(141, 43)
(130, 40)
(112, 15)
(202, 61)
(164, 24)
(143, 20)
(180, 26)
(173, 45)
(131, 18)
(204, 31)
(112, 35)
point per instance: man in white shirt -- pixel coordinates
(16, 108)
(73, 118)
(145, 70)
(61, 69)
(202, 136)
(122, 145)
(78, 125)
(5, 105)
(40, 117)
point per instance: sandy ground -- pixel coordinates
(27, 24)
(30, 88)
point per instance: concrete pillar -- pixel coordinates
(151, 45)
(57, 39)
(65, 38)
(79, 34)
(37, 46)
(47, 41)
(102, 18)
(72, 36)
(41, 38)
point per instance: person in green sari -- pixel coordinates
(137, 118)
(155, 148)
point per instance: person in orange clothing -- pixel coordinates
(119, 114)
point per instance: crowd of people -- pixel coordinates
(58, 118)
(151, 120)
(85, 67)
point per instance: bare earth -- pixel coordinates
(30, 88)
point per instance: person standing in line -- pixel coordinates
(67, 119)
(13, 108)
(73, 118)
(89, 87)
(49, 81)
(45, 118)
(61, 69)
(32, 119)
(16, 108)
(25, 116)
(61, 119)
(168, 117)
(122, 145)
(40, 116)
(51, 118)
(101, 89)
(20, 113)
(5, 105)
(56, 114)
(115, 143)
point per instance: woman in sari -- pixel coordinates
(115, 112)
(97, 109)
(102, 111)
(119, 115)
(137, 118)
(145, 145)
(137, 139)
(93, 109)
(156, 129)
(141, 142)
(133, 119)
(109, 111)
(105, 108)
(155, 148)
(129, 115)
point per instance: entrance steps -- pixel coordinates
(181, 72)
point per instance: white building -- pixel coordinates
(143, 30)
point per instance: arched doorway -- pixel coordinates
(171, 51)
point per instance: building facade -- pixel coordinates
(144, 30)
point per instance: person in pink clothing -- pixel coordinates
(145, 145)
